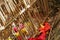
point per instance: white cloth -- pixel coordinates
(2, 28)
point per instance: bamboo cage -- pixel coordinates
(30, 13)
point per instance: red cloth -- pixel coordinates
(15, 29)
(46, 27)
(42, 36)
(19, 38)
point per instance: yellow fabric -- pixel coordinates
(23, 30)
(25, 24)
(41, 25)
(17, 34)
(9, 39)
(29, 24)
